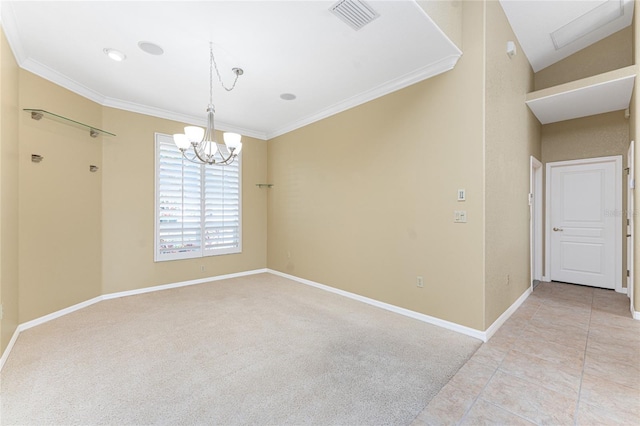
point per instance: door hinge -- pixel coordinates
(628, 274)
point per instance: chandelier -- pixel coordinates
(200, 145)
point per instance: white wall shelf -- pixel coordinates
(37, 114)
(599, 94)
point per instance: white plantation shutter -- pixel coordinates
(198, 207)
(222, 208)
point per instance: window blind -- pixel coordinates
(198, 207)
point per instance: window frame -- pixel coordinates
(161, 138)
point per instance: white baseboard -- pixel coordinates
(57, 314)
(636, 315)
(402, 311)
(6, 352)
(182, 284)
(472, 332)
(506, 314)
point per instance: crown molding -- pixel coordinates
(10, 27)
(72, 85)
(182, 118)
(406, 80)
(11, 31)
(61, 80)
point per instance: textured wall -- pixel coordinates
(8, 193)
(363, 201)
(60, 201)
(129, 200)
(612, 53)
(512, 137)
(84, 234)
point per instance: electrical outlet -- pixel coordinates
(420, 282)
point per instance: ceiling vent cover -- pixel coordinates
(354, 13)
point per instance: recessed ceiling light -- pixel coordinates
(288, 96)
(150, 48)
(114, 54)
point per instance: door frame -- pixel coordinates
(536, 229)
(630, 226)
(618, 212)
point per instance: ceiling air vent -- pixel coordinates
(354, 13)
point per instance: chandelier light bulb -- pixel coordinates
(232, 140)
(194, 133)
(209, 148)
(182, 141)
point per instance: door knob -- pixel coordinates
(558, 229)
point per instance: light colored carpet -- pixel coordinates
(252, 350)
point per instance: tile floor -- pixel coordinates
(570, 355)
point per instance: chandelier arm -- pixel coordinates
(192, 159)
(228, 160)
(210, 162)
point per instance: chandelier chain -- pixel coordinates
(215, 65)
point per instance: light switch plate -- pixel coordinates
(462, 195)
(460, 216)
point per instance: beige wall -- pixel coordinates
(612, 53)
(60, 201)
(600, 135)
(84, 234)
(8, 193)
(447, 14)
(512, 137)
(128, 208)
(363, 201)
(595, 136)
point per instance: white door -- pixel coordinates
(630, 230)
(584, 223)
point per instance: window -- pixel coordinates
(198, 207)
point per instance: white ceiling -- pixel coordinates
(533, 22)
(294, 47)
